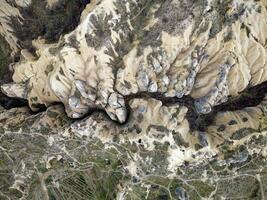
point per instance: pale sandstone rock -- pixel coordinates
(6, 12)
(194, 56)
(23, 3)
(19, 89)
(150, 123)
(51, 3)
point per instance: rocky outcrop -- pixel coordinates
(207, 50)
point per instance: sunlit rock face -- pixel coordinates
(140, 99)
(206, 49)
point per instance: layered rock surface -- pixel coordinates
(206, 49)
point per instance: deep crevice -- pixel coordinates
(9, 103)
(250, 97)
(65, 18)
(6, 76)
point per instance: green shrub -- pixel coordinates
(38, 20)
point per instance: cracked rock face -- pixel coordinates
(138, 99)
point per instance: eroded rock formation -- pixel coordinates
(186, 80)
(208, 50)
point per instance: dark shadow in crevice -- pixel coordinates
(250, 97)
(9, 103)
(6, 76)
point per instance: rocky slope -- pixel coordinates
(169, 96)
(121, 49)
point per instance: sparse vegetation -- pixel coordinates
(38, 20)
(5, 59)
